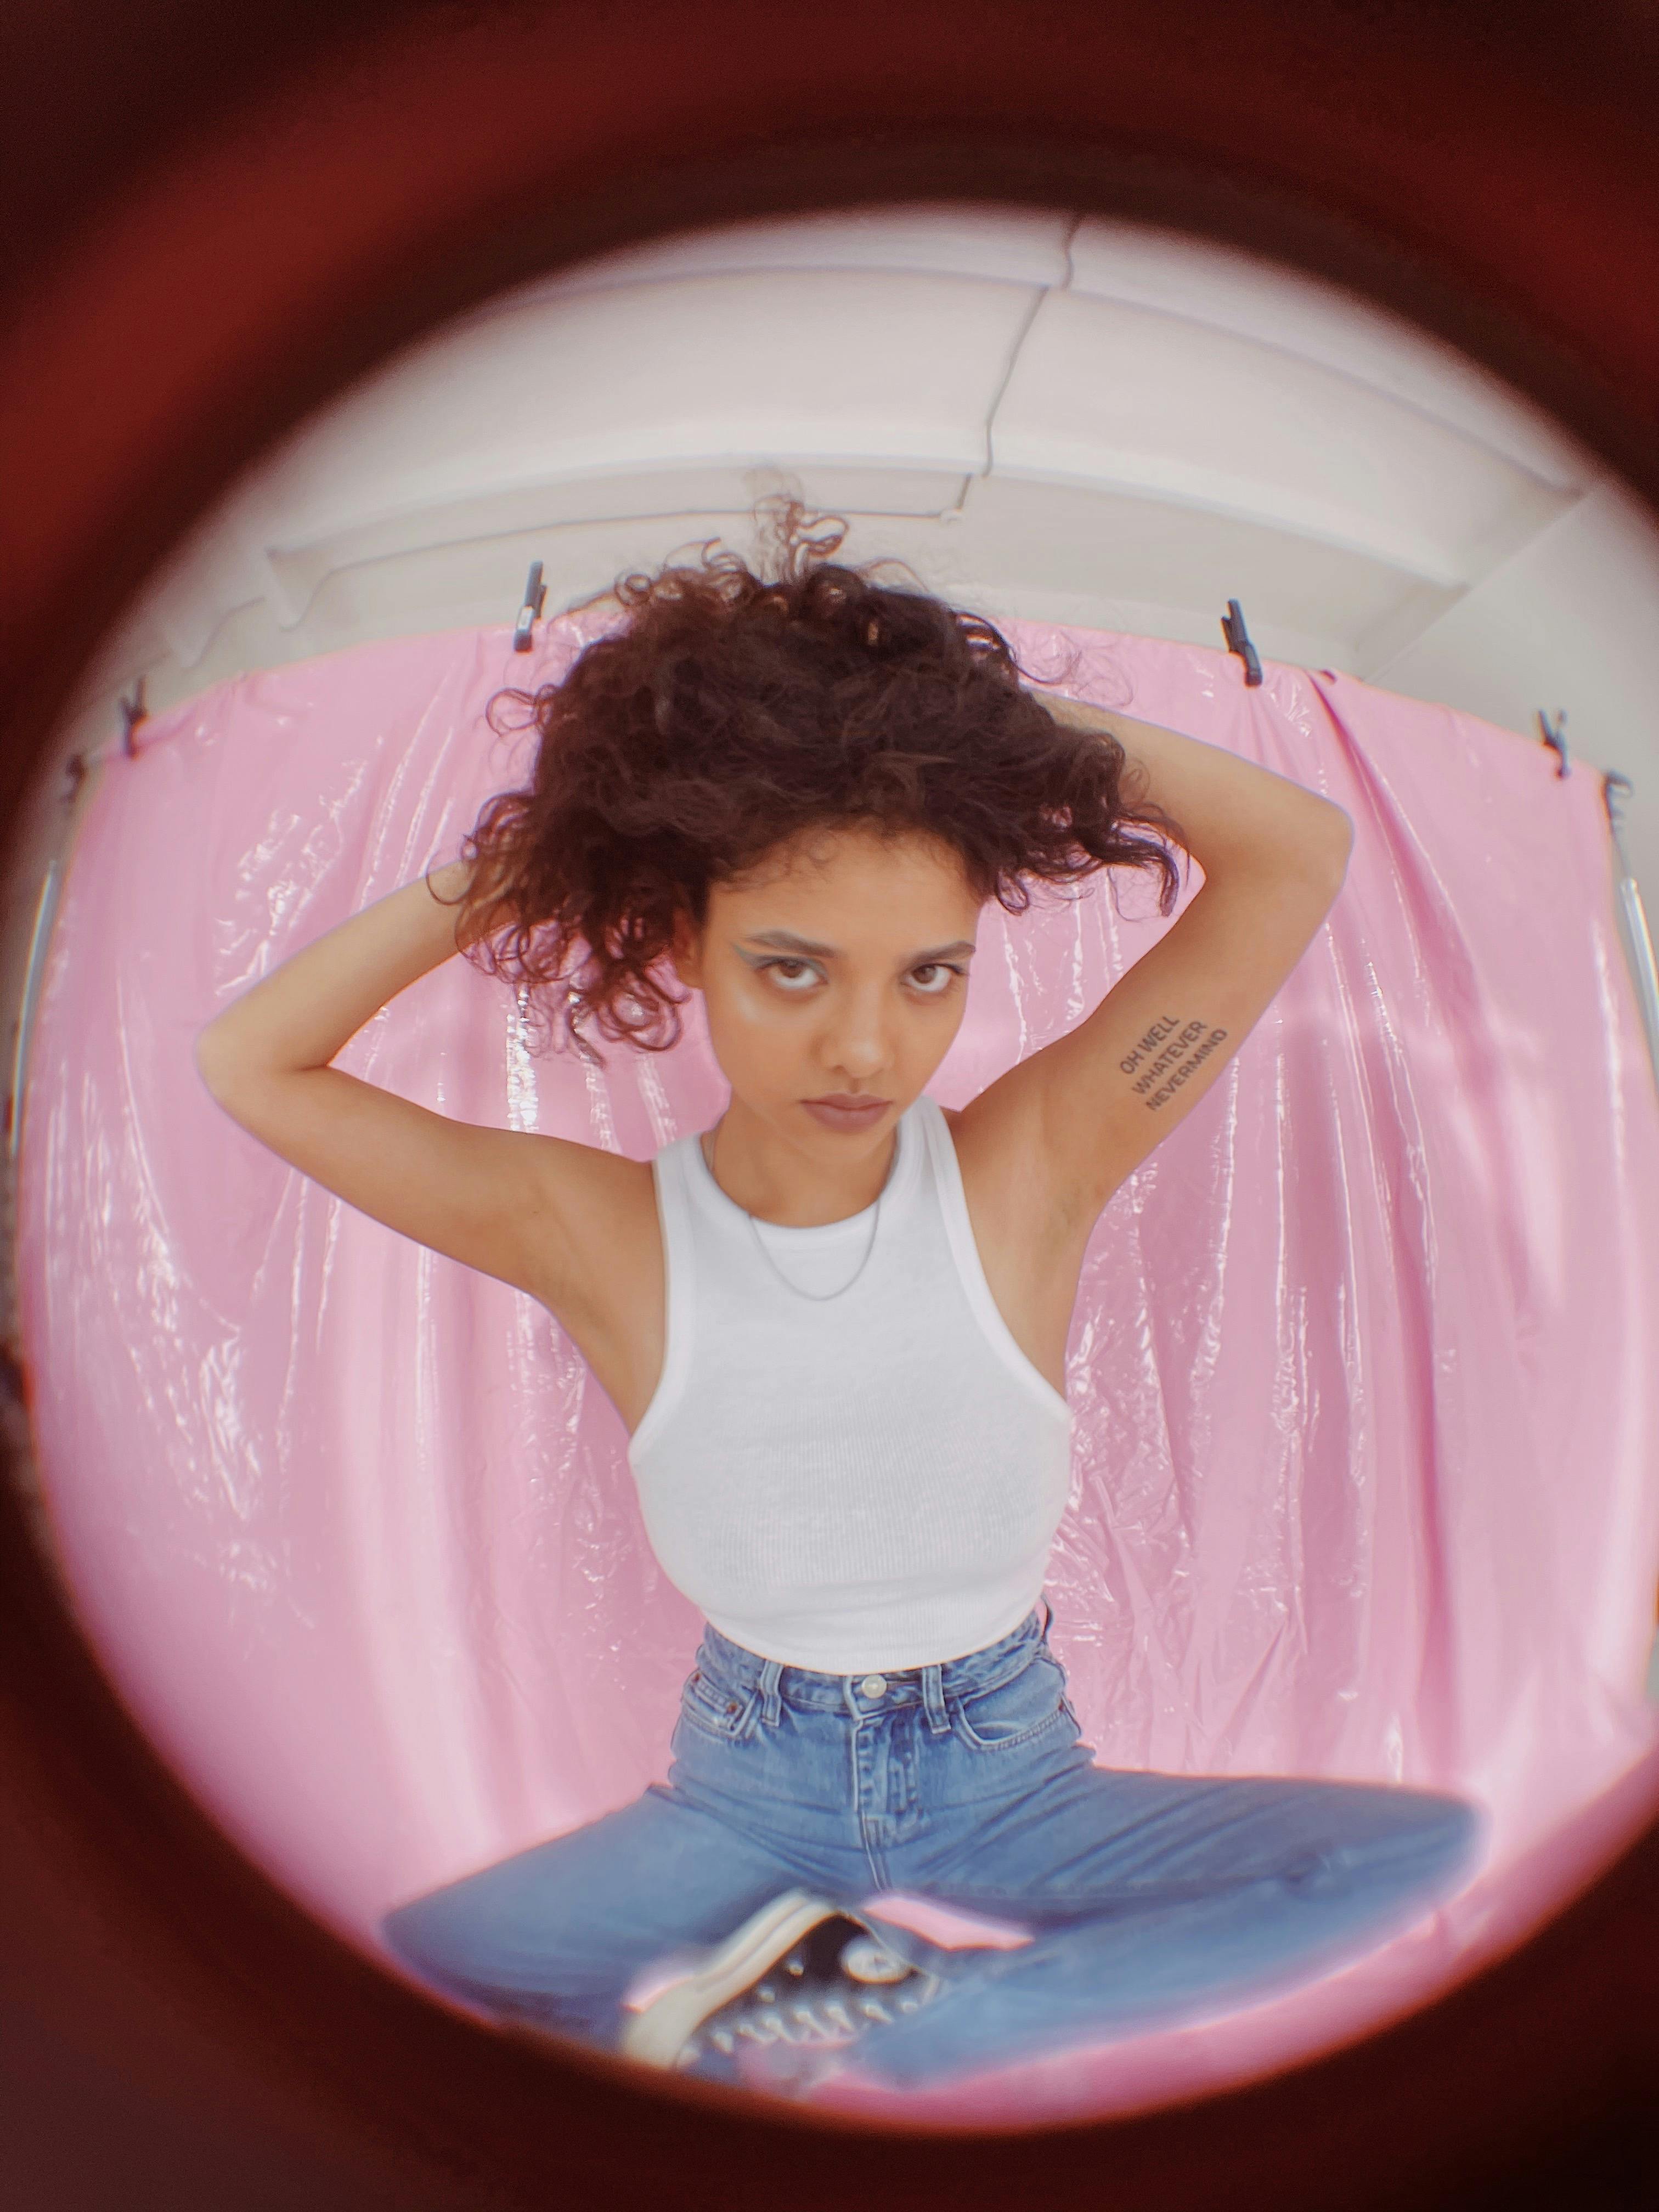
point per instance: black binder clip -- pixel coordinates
(133, 711)
(1238, 641)
(1615, 790)
(531, 612)
(1556, 736)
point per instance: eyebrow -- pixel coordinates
(785, 940)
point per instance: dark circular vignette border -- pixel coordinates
(225, 225)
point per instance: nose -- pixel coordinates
(854, 1040)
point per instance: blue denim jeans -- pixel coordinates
(1150, 1898)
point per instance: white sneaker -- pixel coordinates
(799, 1972)
(658, 2034)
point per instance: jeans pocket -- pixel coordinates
(716, 1709)
(1024, 1706)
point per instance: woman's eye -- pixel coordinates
(800, 966)
(793, 976)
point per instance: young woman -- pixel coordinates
(834, 1325)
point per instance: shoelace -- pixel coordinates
(864, 1985)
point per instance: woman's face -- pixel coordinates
(839, 965)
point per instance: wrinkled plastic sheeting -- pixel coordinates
(1365, 1444)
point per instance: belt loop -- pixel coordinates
(771, 1704)
(933, 1698)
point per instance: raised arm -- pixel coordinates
(1235, 814)
(500, 1201)
(1087, 1110)
(301, 1015)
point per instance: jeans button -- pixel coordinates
(873, 1685)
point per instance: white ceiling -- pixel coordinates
(1086, 421)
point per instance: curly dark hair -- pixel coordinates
(729, 713)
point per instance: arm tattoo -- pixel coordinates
(1170, 1052)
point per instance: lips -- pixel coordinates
(859, 1101)
(858, 1114)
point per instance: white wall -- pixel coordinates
(1083, 421)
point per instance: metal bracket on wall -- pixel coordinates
(133, 711)
(1638, 940)
(1238, 641)
(45, 908)
(1557, 737)
(530, 612)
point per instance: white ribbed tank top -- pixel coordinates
(871, 1482)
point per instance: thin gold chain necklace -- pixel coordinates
(819, 1297)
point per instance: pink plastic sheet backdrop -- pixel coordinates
(1365, 1480)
